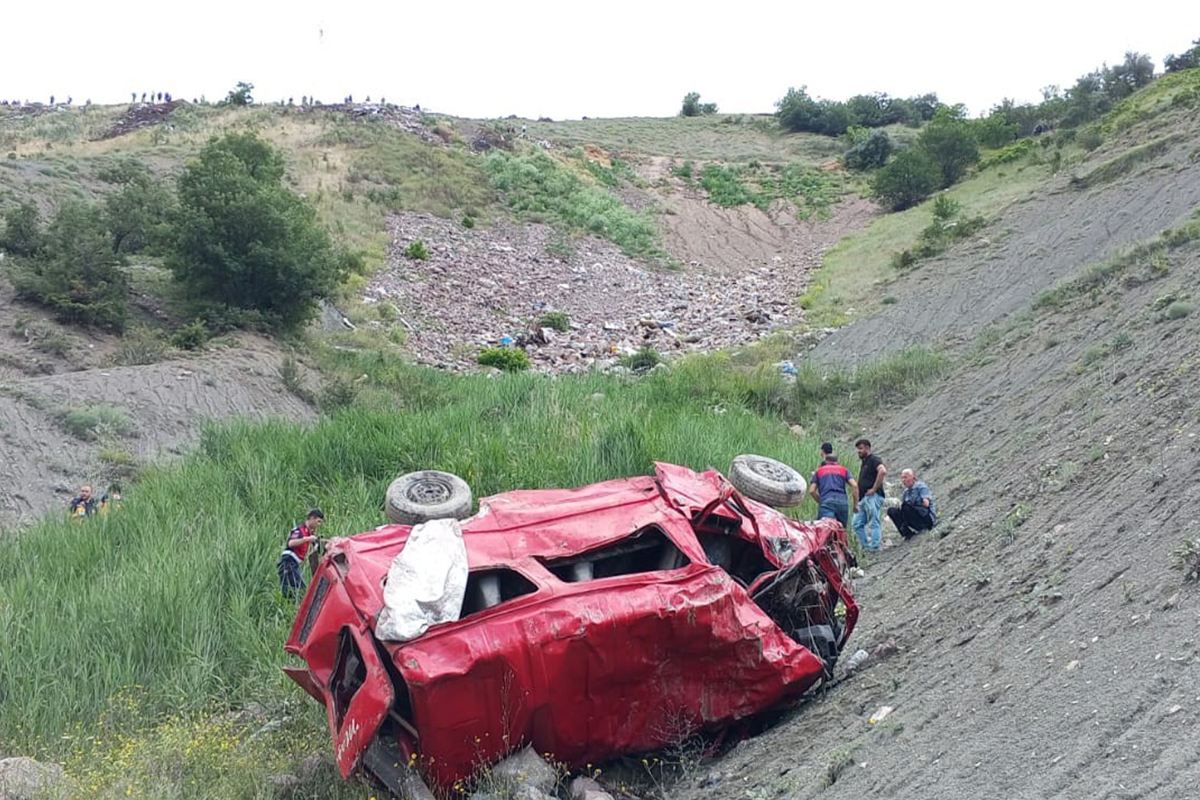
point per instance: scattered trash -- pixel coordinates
(855, 661)
(880, 715)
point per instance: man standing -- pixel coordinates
(868, 518)
(828, 487)
(84, 505)
(295, 550)
(917, 511)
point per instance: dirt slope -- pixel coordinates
(1046, 646)
(164, 405)
(1034, 245)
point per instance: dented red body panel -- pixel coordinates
(584, 670)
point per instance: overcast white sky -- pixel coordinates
(565, 60)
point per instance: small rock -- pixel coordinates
(885, 649)
(798, 430)
(1174, 710)
(24, 778)
(285, 785)
(530, 793)
(525, 768)
(584, 788)
(1171, 602)
(1072, 666)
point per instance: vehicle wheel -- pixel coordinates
(768, 481)
(421, 496)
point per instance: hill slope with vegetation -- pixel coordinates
(1024, 340)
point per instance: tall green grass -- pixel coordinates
(176, 593)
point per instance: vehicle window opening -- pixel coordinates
(314, 608)
(648, 549)
(491, 587)
(743, 560)
(348, 675)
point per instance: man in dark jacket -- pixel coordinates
(295, 550)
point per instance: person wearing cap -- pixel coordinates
(295, 550)
(917, 511)
(829, 485)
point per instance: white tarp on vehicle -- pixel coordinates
(426, 582)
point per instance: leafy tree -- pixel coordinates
(22, 230)
(869, 152)
(692, 107)
(240, 95)
(797, 111)
(907, 180)
(1122, 80)
(138, 215)
(996, 129)
(950, 141)
(78, 276)
(1189, 59)
(242, 239)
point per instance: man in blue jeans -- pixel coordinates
(828, 487)
(868, 523)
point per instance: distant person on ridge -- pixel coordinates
(868, 520)
(295, 551)
(917, 511)
(828, 487)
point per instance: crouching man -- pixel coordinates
(917, 511)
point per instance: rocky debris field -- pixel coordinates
(487, 287)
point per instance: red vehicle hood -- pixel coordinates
(585, 670)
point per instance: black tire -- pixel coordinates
(768, 481)
(422, 496)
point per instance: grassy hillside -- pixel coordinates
(165, 617)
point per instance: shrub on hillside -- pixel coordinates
(870, 152)
(950, 141)
(1189, 59)
(192, 336)
(692, 107)
(243, 239)
(138, 215)
(240, 95)
(907, 180)
(555, 320)
(22, 230)
(508, 359)
(77, 274)
(417, 251)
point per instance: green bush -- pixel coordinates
(468, 221)
(692, 107)
(871, 152)
(508, 359)
(907, 180)
(139, 347)
(139, 214)
(417, 251)
(240, 95)
(1179, 309)
(725, 188)
(192, 336)
(77, 274)
(92, 422)
(22, 230)
(556, 320)
(646, 358)
(336, 394)
(535, 187)
(245, 240)
(950, 142)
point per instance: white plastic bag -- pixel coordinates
(426, 582)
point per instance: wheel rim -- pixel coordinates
(775, 472)
(429, 492)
